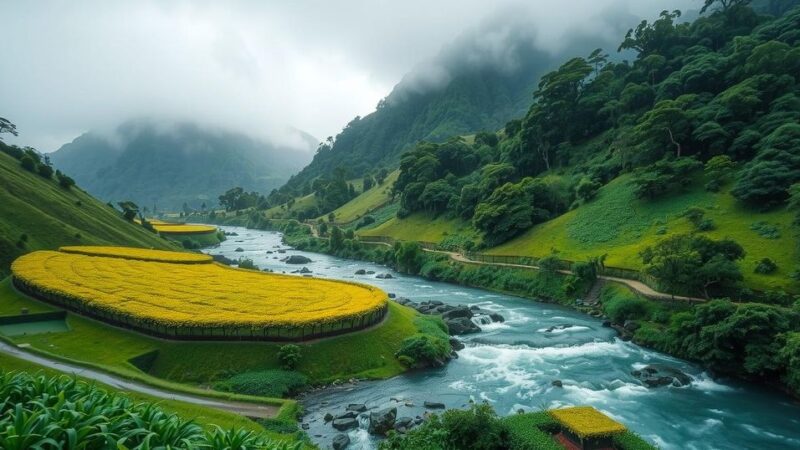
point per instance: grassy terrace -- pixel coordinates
(367, 201)
(365, 354)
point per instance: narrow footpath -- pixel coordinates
(242, 408)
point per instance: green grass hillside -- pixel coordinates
(367, 201)
(619, 224)
(36, 214)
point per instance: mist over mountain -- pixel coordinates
(151, 162)
(478, 82)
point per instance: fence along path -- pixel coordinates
(615, 274)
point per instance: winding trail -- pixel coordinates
(635, 285)
(242, 408)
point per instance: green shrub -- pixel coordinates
(28, 163)
(247, 263)
(267, 383)
(422, 350)
(44, 171)
(620, 305)
(531, 431)
(766, 266)
(289, 355)
(766, 230)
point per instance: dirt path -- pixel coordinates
(241, 408)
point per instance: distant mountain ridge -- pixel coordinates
(172, 164)
(474, 99)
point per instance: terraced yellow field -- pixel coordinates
(184, 229)
(141, 254)
(169, 294)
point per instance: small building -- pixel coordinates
(585, 428)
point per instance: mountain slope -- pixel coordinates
(151, 163)
(50, 216)
(475, 99)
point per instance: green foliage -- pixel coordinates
(246, 263)
(44, 171)
(28, 163)
(765, 181)
(43, 412)
(694, 263)
(407, 255)
(477, 428)
(766, 230)
(663, 177)
(587, 189)
(236, 199)
(531, 431)
(423, 351)
(266, 383)
(619, 305)
(289, 356)
(790, 357)
(766, 266)
(740, 339)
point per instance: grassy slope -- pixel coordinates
(420, 227)
(51, 217)
(300, 204)
(366, 201)
(368, 354)
(619, 224)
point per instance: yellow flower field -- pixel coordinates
(184, 229)
(193, 295)
(138, 253)
(587, 422)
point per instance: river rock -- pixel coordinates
(328, 417)
(296, 259)
(382, 421)
(357, 407)
(557, 383)
(345, 424)
(370, 272)
(361, 272)
(281, 251)
(304, 270)
(392, 295)
(239, 249)
(348, 415)
(658, 375)
(384, 276)
(456, 312)
(607, 323)
(340, 441)
(456, 344)
(461, 325)
(631, 325)
(433, 405)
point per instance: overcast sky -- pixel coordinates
(253, 66)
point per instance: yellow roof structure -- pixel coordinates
(587, 422)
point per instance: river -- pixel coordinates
(512, 366)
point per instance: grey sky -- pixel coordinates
(253, 66)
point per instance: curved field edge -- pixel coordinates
(38, 274)
(190, 366)
(139, 254)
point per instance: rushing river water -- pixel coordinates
(512, 365)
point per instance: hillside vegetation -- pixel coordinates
(37, 213)
(170, 165)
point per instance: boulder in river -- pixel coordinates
(361, 272)
(380, 422)
(340, 441)
(456, 345)
(461, 325)
(433, 405)
(384, 276)
(348, 415)
(345, 424)
(328, 417)
(357, 407)
(456, 312)
(557, 383)
(658, 375)
(239, 249)
(296, 259)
